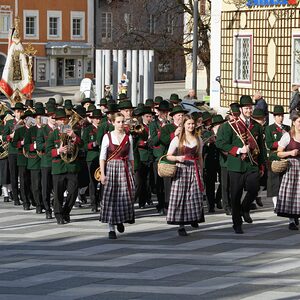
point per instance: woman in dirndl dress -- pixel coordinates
(288, 203)
(116, 164)
(186, 198)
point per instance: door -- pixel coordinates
(60, 71)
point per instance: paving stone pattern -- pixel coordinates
(42, 260)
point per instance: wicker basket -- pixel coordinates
(279, 166)
(166, 169)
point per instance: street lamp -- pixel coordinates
(195, 46)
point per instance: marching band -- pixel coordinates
(51, 155)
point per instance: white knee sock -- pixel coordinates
(111, 227)
(274, 199)
(291, 220)
(5, 190)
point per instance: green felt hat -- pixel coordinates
(164, 106)
(278, 110)
(125, 104)
(19, 106)
(206, 116)
(245, 100)
(177, 110)
(60, 113)
(96, 114)
(217, 119)
(258, 113)
(174, 98)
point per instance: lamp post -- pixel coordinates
(195, 46)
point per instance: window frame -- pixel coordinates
(170, 24)
(4, 34)
(77, 15)
(54, 14)
(235, 59)
(106, 38)
(152, 24)
(34, 14)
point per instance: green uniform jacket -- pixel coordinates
(223, 155)
(273, 135)
(33, 161)
(155, 128)
(8, 128)
(103, 129)
(58, 165)
(42, 136)
(167, 134)
(89, 137)
(229, 142)
(18, 142)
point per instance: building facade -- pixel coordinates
(62, 32)
(143, 25)
(255, 46)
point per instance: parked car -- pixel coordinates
(191, 106)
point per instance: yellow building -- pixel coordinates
(255, 46)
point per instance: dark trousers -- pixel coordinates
(36, 187)
(238, 182)
(159, 182)
(62, 182)
(12, 160)
(167, 189)
(25, 186)
(92, 166)
(143, 191)
(46, 183)
(213, 197)
(225, 188)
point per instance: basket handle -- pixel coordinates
(162, 157)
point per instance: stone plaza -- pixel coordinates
(42, 260)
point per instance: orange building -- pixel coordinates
(62, 32)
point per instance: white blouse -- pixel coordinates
(175, 144)
(285, 140)
(114, 139)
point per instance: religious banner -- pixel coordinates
(17, 82)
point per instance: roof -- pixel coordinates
(73, 45)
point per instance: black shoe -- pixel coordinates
(112, 235)
(253, 206)
(49, 215)
(211, 210)
(10, 195)
(195, 224)
(259, 202)
(182, 232)
(150, 202)
(60, 221)
(247, 217)
(67, 218)
(17, 203)
(228, 212)
(219, 205)
(82, 198)
(292, 226)
(120, 227)
(296, 221)
(6, 199)
(238, 229)
(26, 207)
(38, 210)
(95, 209)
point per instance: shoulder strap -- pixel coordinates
(119, 148)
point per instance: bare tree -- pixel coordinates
(163, 25)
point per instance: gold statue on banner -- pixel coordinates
(17, 73)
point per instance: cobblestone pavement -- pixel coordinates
(42, 260)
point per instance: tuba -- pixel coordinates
(72, 149)
(3, 149)
(97, 174)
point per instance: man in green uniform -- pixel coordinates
(8, 134)
(46, 160)
(93, 151)
(64, 172)
(155, 128)
(243, 141)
